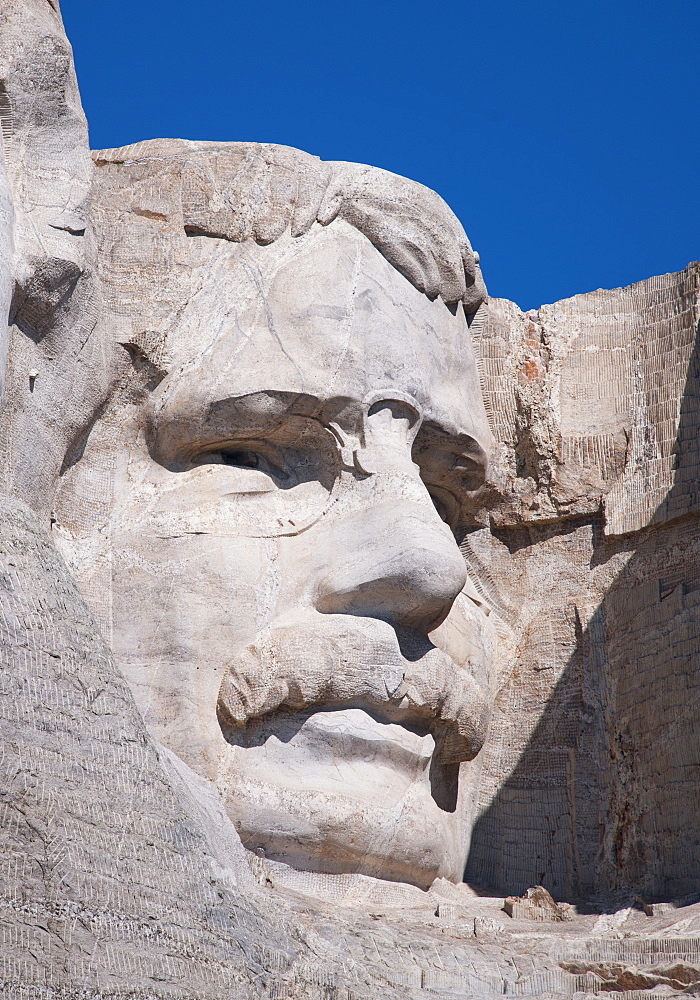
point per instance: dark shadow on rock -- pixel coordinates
(604, 802)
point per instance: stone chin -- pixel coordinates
(342, 792)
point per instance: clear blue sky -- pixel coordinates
(566, 136)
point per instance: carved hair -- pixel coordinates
(239, 191)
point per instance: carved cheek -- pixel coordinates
(468, 638)
(197, 594)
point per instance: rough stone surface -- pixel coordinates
(536, 904)
(272, 511)
(590, 781)
(55, 375)
(261, 629)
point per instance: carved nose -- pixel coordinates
(398, 562)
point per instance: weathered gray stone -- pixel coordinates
(55, 300)
(273, 672)
(278, 486)
(536, 904)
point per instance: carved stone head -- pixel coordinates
(266, 515)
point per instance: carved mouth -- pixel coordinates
(338, 661)
(354, 735)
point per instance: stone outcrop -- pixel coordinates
(537, 904)
(55, 376)
(592, 557)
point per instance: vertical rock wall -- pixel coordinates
(56, 374)
(592, 774)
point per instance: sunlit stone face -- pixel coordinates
(277, 563)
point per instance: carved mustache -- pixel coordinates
(337, 664)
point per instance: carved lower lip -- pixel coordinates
(354, 735)
(338, 661)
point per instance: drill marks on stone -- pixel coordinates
(654, 651)
(473, 549)
(571, 411)
(639, 377)
(599, 450)
(54, 791)
(492, 337)
(602, 416)
(634, 674)
(7, 118)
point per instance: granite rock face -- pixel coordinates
(348, 631)
(293, 424)
(592, 555)
(54, 377)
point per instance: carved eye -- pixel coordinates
(241, 459)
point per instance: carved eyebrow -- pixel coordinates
(265, 410)
(181, 426)
(261, 411)
(174, 434)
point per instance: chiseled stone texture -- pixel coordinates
(258, 514)
(106, 878)
(110, 887)
(108, 881)
(121, 872)
(591, 400)
(56, 373)
(590, 777)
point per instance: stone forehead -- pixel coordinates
(320, 315)
(254, 191)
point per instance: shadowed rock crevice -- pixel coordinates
(617, 746)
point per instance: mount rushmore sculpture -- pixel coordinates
(349, 620)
